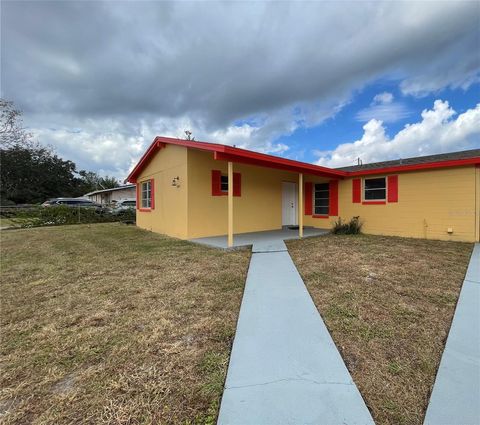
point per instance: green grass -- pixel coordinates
(106, 323)
(8, 222)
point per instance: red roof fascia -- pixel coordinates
(413, 167)
(281, 164)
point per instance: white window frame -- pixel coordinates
(364, 189)
(314, 199)
(146, 194)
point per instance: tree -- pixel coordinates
(91, 181)
(32, 173)
(108, 182)
(12, 131)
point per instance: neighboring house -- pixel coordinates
(109, 196)
(183, 191)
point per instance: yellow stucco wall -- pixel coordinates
(170, 213)
(429, 202)
(477, 204)
(259, 207)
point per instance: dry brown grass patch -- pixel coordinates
(388, 303)
(107, 323)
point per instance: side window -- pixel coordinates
(146, 195)
(375, 189)
(321, 199)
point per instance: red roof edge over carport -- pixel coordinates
(229, 153)
(281, 164)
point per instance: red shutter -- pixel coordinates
(392, 183)
(216, 183)
(356, 191)
(237, 184)
(139, 188)
(308, 198)
(152, 194)
(333, 194)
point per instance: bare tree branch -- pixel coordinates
(12, 132)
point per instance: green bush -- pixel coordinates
(352, 227)
(62, 214)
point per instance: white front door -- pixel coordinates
(289, 204)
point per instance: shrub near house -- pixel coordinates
(353, 227)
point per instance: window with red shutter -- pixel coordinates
(152, 194)
(308, 198)
(216, 183)
(356, 191)
(333, 198)
(138, 195)
(392, 187)
(237, 184)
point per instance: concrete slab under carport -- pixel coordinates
(260, 239)
(284, 367)
(455, 396)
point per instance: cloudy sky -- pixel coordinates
(321, 82)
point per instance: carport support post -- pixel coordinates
(300, 205)
(230, 204)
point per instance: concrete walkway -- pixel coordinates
(456, 393)
(284, 367)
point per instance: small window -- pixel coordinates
(146, 194)
(224, 184)
(375, 189)
(321, 198)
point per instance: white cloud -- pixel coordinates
(113, 147)
(387, 113)
(105, 146)
(383, 108)
(437, 132)
(383, 98)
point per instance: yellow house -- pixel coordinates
(183, 191)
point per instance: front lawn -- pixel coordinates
(7, 222)
(106, 323)
(388, 303)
